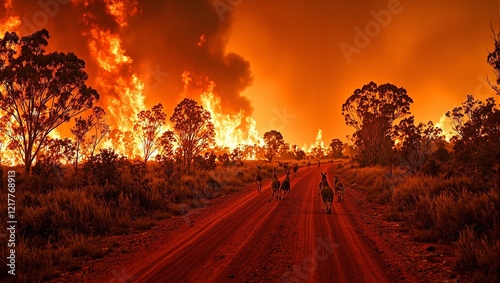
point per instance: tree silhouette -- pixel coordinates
(57, 151)
(194, 130)
(372, 110)
(417, 143)
(166, 153)
(125, 139)
(494, 60)
(85, 125)
(166, 144)
(236, 155)
(477, 144)
(274, 142)
(48, 170)
(298, 152)
(337, 146)
(100, 131)
(148, 127)
(103, 168)
(38, 91)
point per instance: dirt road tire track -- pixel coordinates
(251, 240)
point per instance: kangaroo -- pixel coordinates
(339, 189)
(295, 169)
(326, 193)
(258, 180)
(275, 185)
(285, 185)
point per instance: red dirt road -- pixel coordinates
(249, 239)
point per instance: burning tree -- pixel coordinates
(194, 130)
(298, 152)
(372, 111)
(274, 142)
(38, 91)
(148, 126)
(166, 145)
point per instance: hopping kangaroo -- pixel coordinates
(339, 189)
(285, 185)
(326, 193)
(258, 180)
(275, 185)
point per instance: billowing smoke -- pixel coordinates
(178, 36)
(138, 50)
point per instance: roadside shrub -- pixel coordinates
(478, 255)
(109, 195)
(63, 211)
(103, 168)
(457, 209)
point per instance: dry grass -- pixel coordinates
(433, 209)
(58, 227)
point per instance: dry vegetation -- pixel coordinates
(458, 209)
(62, 217)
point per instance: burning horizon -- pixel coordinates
(277, 73)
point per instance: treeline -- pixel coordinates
(442, 190)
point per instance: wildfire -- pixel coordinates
(12, 22)
(7, 157)
(446, 128)
(231, 130)
(108, 52)
(125, 88)
(122, 87)
(317, 147)
(121, 10)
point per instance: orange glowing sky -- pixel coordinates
(436, 50)
(281, 61)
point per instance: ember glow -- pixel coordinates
(445, 127)
(317, 145)
(115, 75)
(140, 53)
(231, 130)
(10, 22)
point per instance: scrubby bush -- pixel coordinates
(459, 209)
(478, 254)
(109, 195)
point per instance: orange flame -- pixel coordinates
(231, 130)
(12, 22)
(318, 145)
(445, 128)
(121, 10)
(8, 157)
(106, 47)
